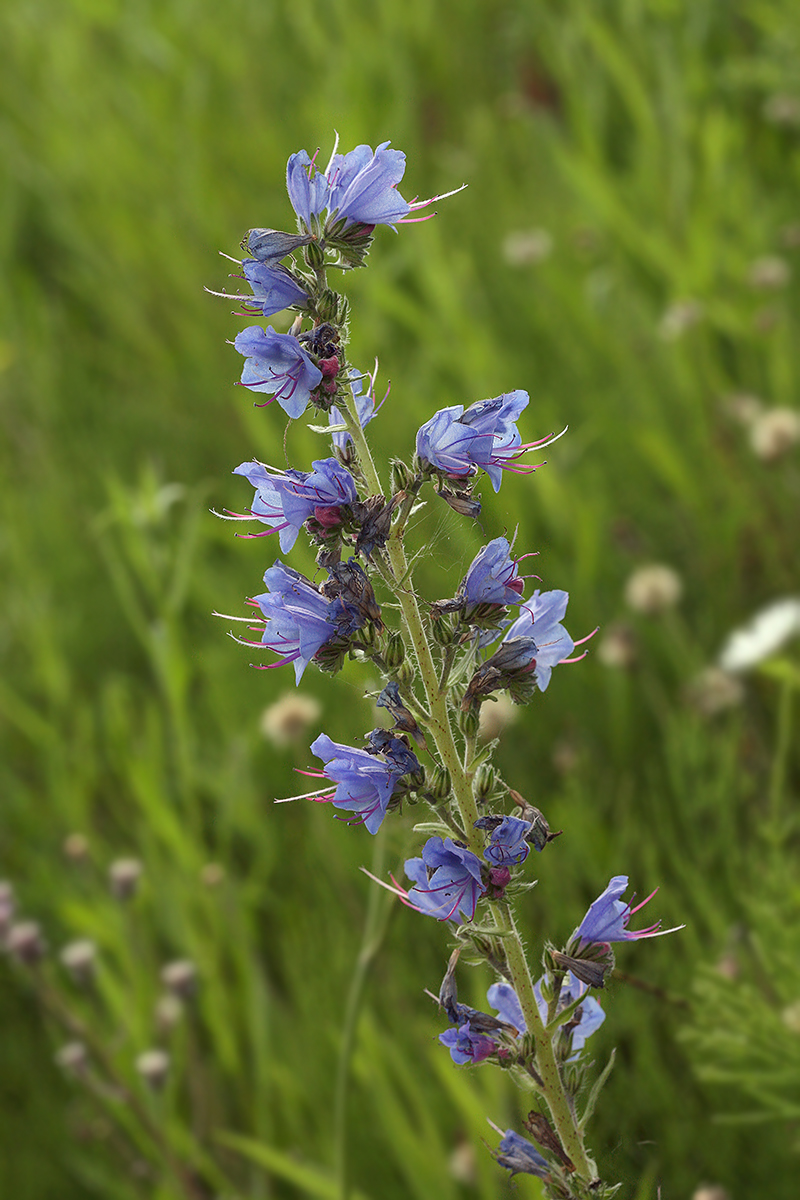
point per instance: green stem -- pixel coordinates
(439, 725)
(552, 1086)
(370, 941)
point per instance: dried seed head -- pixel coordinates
(25, 942)
(653, 589)
(713, 691)
(774, 433)
(287, 720)
(212, 875)
(123, 877)
(617, 648)
(72, 1058)
(180, 978)
(769, 273)
(76, 847)
(169, 1012)
(80, 960)
(153, 1066)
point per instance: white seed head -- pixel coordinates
(25, 942)
(76, 847)
(742, 407)
(617, 647)
(713, 691)
(774, 433)
(153, 1066)
(769, 273)
(212, 875)
(123, 877)
(496, 717)
(287, 720)
(653, 589)
(169, 1012)
(80, 959)
(180, 978)
(782, 108)
(527, 246)
(710, 1192)
(72, 1058)
(678, 318)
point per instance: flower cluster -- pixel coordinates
(441, 661)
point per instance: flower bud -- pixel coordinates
(444, 630)
(485, 778)
(401, 477)
(395, 651)
(153, 1066)
(469, 720)
(439, 784)
(405, 673)
(180, 978)
(123, 877)
(79, 958)
(327, 306)
(314, 256)
(25, 942)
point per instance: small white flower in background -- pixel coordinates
(653, 589)
(791, 1017)
(766, 634)
(769, 273)
(711, 1192)
(774, 432)
(288, 719)
(782, 109)
(527, 246)
(713, 691)
(679, 317)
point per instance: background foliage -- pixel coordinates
(652, 148)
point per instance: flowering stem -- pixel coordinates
(552, 1087)
(439, 722)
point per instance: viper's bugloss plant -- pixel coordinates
(439, 664)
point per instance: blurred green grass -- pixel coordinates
(135, 141)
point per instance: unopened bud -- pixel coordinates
(79, 958)
(123, 877)
(444, 630)
(314, 255)
(169, 1012)
(484, 783)
(76, 847)
(401, 476)
(439, 785)
(395, 651)
(405, 673)
(153, 1066)
(72, 1058)
(327, 306)
(180, 978)
(469, 721)
(25, 942)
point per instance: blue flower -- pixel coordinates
(276, 363)
(447, 880)
(467, 1046)
(364, 783)
(520, 1157)
(365, 408)
(492, 577)
(307, 187)
(608, 917)
(274, 289)
(507, 843)
(287, 499)
(539, 618)
(363, 186)
(456, 442)
(298, 619)
(588, 1018)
